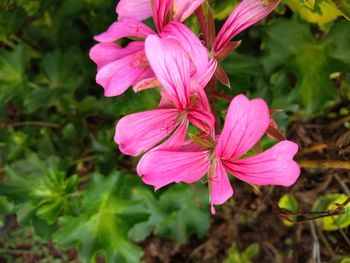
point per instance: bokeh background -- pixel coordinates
(68, 195)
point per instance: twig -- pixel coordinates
(339, 122)
(327, 164)
(342, 184)
(316, 256)
(17, 251)
(325, 242)
(33, 123)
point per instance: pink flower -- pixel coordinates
(183, 101)
(246, 14)
(246, 122)
(119, 68)
(142, 9)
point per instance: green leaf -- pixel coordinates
(10, 21)
(103, 223)
(12, 73)
(39, 188)
(328, 202)
(222, 9)
(62, 70)
(292, 48)
(235, 256)
(289, 203)
(322, 13)
(178, 213)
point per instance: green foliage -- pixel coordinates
(235, 256)
(178, 213)
(103, 222)
(311, 59)
(289, 203)
(39, 188)
(12, 73)
(329, 202)
(57, 155)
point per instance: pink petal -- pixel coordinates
(176, 140)
(202, 120)
(139, 132)
(189, 42)
(128, 27)
(272, 167)
(172, 68)
(161, 10)
(200, 80)
(220, 186)
(147, 79)
(247, 13)
(246, 122)
(184, 8)
(136, 9)
(104, 53)
(160, 168)
(146, 83)
(118, 75)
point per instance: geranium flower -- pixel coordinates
(183, 101)
(246, 122)
(120, 68)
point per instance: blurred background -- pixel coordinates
(68, 195)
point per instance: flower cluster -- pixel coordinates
(186, 68)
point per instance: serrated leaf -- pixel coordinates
(12, 73)
(103, 223)
(62, 70)
(293, 48)
(177, 214)
(324, 12)
(39, 188)
(10, 21)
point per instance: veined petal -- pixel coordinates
(246, 122)
(139, 132)
(146, 83)
(182, 9)
(171, 66)
(203, 120)
(272, 167)
(127, 27)
(118, 75)
(160, 168)
(190, 43)
(220, 186)
(136, 9)
(176, 140)
(161, 10)
(247, 13)
(105, 53)
(200, 80)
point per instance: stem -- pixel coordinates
(34, 123)
(223, 96)
(202, 24)
(211, 90)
